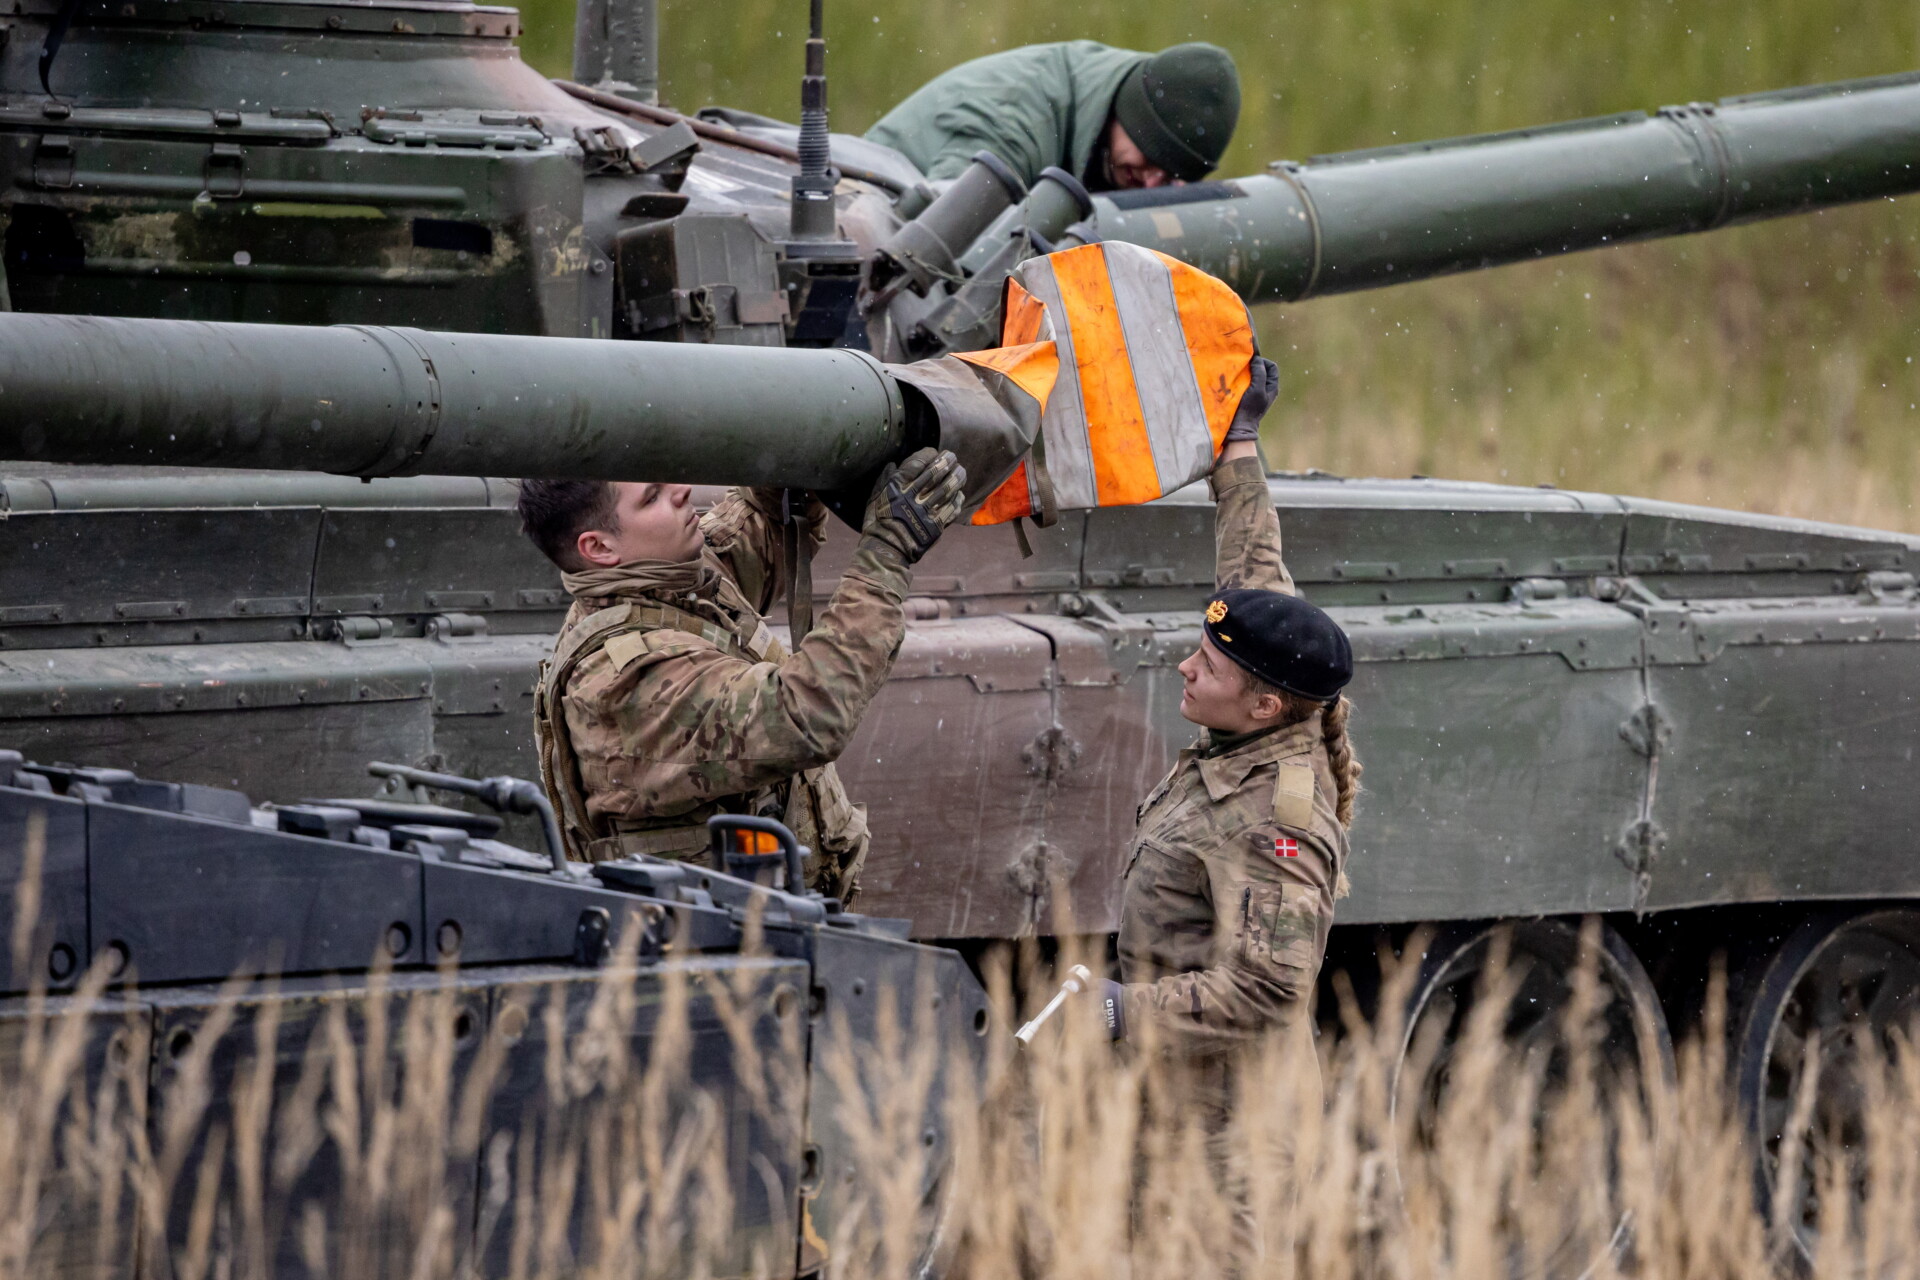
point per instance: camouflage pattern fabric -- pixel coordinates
(1246, 530)
(1230, 883)
(667, 727)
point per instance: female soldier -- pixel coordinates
(1241, 849)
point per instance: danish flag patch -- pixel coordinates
(1286, 847)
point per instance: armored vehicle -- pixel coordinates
(489, 965)
(1696, 723)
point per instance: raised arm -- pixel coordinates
(1246, 530)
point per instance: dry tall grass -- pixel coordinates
(348, 1150)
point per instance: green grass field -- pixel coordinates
(1768, 367)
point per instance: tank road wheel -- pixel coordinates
(1543, 957)
(1842, 981)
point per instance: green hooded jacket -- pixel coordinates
(1044, 104)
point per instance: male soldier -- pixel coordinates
(1113, 118)
(666, 701)
(1241, 849)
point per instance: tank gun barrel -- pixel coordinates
(1365, 219)
(369, 401)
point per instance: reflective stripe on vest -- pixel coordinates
(1139, 361)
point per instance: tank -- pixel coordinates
(1696, 724)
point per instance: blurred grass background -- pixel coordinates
(1767, 367)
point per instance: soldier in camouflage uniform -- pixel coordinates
(666, 700)
(1241, 849)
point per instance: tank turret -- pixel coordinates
(327, 163)
(1339, 223)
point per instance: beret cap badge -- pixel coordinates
(1282, 640)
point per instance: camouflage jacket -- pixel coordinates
(1230, 882)
(674, 718)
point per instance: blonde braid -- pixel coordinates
(1346, 768)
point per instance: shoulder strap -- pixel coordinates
(759, 647)
(592, 632)
(559, 767)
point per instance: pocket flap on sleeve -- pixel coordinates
(1293, 796)
(1285, 924)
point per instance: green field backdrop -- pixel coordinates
(1768, 367)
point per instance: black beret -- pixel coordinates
(1283, 640)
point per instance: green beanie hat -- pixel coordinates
(1180, 106)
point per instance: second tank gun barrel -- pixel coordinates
(1397, 214)
(370, 401)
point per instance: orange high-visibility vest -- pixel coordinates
(1138, 362)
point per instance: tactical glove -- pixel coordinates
(1113, 1008)
(915, 501)
(1263, 387)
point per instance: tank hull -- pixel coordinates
(1569, 702)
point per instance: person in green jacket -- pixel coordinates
(1113, 118)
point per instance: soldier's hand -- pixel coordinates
(1263, 388)
(915, 501)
